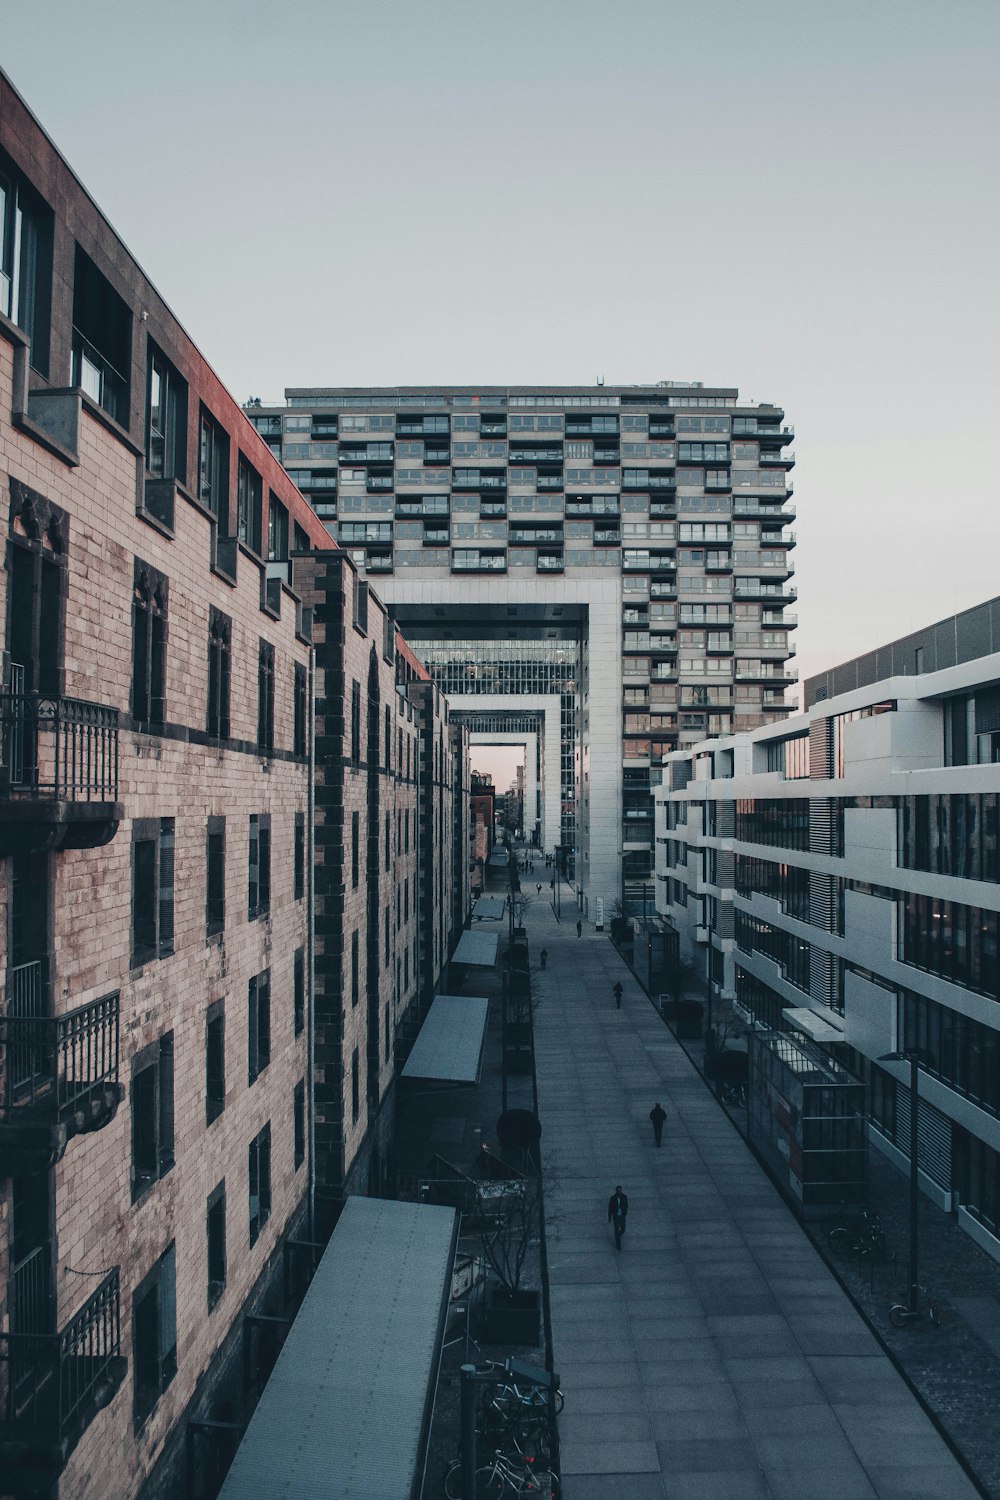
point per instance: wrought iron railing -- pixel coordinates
(52, 1378)
(29, 1300)
(64, 748)
(96, 375)
(55, 1063)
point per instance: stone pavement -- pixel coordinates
(715, 1357)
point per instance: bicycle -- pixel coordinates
(503, 1475)
(532, 1397)
(861, 1234)
(735, 1094)
(900, 1313)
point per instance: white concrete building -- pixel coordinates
(839, 875)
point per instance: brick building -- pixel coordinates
(157, 820)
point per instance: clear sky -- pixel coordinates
(798, 198)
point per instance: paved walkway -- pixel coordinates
(715, 1358)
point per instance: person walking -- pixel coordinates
(579, 929)
(544, 957)
(618, 1213)
(538, 887)
(617, 991)
(658, 1114)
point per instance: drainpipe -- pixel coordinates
(311, 944)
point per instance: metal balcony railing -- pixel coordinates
(51, 1380)
(54, 1064)
(64, 748)
(97, 376)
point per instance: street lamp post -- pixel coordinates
(913, 1058)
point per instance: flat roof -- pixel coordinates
(490, 908)
(478, 948)
(345, 1413)
(449, 1046)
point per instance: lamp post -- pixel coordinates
(913, 1058)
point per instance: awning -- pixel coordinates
(490, 908)
(346, 1411)
(814, 1025)
(449, 1046)
(478, 948)
(499, 859)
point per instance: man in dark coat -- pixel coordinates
(618, 1213)
(617, 990)
(658, 1114)
(579, 929)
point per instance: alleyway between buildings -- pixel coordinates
(715, 1357)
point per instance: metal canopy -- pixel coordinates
(489, 908)
(346, 1411)
(449, 1047)
(478, 948)
(814, 1026)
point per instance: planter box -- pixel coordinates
(513, 1319)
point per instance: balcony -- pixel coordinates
(59, 773)
(777, 538)
(549, 562)
(764, 672)
(60, 1072)
(53, 1385)
(98, 379)
(771, 620)
(776, 458)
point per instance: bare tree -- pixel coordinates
(507, 1216)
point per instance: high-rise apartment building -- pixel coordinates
(601, 572)
(837, 878)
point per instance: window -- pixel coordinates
(258, 1024)
(215, 1061)
(355, 1087)
(265, 698)
(149, 643)
(277, 530)
(152, 889)
(215, 1236)
(151, 1096)
(299, 861)
(388, 929)
(102, 340)
(249, 505)
(259, 867)
(220, 635)
(355, 975)
(386, 1023)
(166, 418)
(215, 876)
(154, 1335)
(299, 990)
(388, 841)
(299, 689)
(213, 469)
(299, 1122)
(355, 840)
(25, 262)
(260, 1182)
(355, 722)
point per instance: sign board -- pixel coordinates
(599, 912)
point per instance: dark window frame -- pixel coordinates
(265, 698)
(151, 1111)
(215, 1243)
(259, 1182)
(259, 867)
(299, 990)
(166, 442)
(154, 1316)
(213, 468)
(220, 671)
(258, 1025)
(299, 857)
(152, 910)
(215, 1060)
(299, 1124)
(150, 630)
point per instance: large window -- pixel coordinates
(299, 1123)
(215, 1061)
(299, 990)
(151, 1098)
(259, 1182)
(152, 889)
(785, 883)
(25, 262)
(299, 857)
(154, 1335)
(300, 743)
(962, 1052)
(102, 340)
(215, 876)
(166, 418)
(220, 637)
(149, 646)
(249, 505)
(790, 953)
(956, 834)
(259, 867)
(258, 1024)
(782, 823)
(959, 943)
(215, 1242)
(265, 698)
(213, 469)
(979, 1180)
(277, 530)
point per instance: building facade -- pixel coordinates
(838, 876)
(602, 570)
(173, 750)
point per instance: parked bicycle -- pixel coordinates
(861, 1235)
(501, 1476)
(900, 1313)
(735, 1094)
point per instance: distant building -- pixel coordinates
(483, 814)
(838, 876)
(600, 573)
